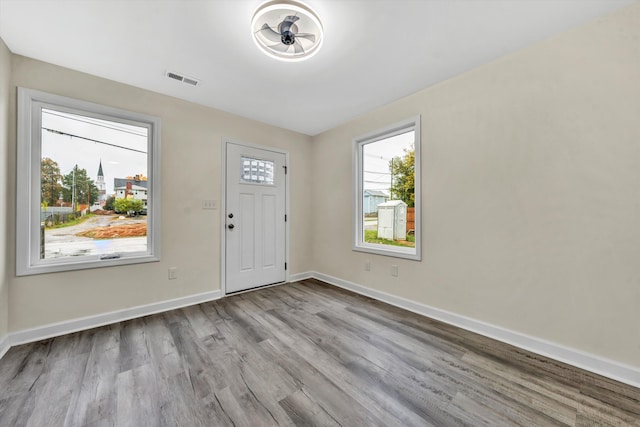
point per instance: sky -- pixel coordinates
(121, 147)
(376, 160)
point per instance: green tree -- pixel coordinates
(128, 205)
(108, 204)
(50, 182)
(403, 177)
(79, 188)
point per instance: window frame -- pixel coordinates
(29, 143)
(408, 125)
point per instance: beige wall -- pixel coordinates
(190, 172)
(531, 193)
(5, 67)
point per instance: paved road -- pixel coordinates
(63, 242)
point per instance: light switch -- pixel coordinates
(209, 204)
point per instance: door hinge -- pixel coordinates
(285, 170)
(285, 218)
(285, 265)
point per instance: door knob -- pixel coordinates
(231, 226)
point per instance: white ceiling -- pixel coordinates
(374, 52)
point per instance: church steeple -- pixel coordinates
(102, 187)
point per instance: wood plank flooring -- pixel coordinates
(298, 354)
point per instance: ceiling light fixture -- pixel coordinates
(287, 30)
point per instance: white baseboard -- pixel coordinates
(300, 276)
(599, 365)
(84, 323)
(4, 345)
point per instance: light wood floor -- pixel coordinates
(298, 354)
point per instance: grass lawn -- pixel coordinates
(371, 236)
(72, 222)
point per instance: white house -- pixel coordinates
(135, 191)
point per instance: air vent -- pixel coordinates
(184, 79)
(175, 76)
(190, 81)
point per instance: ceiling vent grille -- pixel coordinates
(190, 81)
(184, 79)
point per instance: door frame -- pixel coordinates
(223, 211)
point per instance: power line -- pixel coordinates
(376, 156)
(379, 179)
(93, 140)
(92, 123)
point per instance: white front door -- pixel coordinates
(255, 217)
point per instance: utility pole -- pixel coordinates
(391, 187)
(73, 190)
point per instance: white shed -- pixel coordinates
(392, 220)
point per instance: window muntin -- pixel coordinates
(256, 171)
(387, 195)
(73, 156)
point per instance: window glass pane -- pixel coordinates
(388, 191)
(256, 171)
(93, 190)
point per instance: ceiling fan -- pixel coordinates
(288, 30)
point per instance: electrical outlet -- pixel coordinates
(367, 265)
(173, 273)
(209, 204)
(394, 270)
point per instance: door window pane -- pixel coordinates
(256, 171)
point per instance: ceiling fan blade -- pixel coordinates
(286, 24)
(308, 36)
(298, 47)
(280, 47)
(270, 34)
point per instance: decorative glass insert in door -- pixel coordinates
(256, 171)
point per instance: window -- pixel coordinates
(387, 191)
(88, 185)
(255, 171)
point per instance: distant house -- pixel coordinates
(136, 180)
(135, 188)
(372, 198)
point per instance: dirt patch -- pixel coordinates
(102, 212)
(116, 231)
